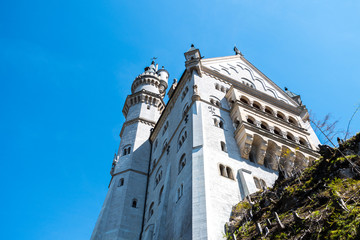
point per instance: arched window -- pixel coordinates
(126, 150)
(264, 126)
(257, 105)
(217, 87)
(151, 210)
(218, 121)
(121, 182)
(302, 142)
(184, 93)
(222, 170)
(223, 146)
(182, 163)
(185, 109)
(182, 138)
(229, 173)
(154, 163)
(280, 115)
(292, 121)
(222, 89)
(251, 120)
(165, 145)
(215, 101)
(160, 194)
(165, 127)
(244, 100)
(290, 136)
(156, 144)
(277, 131)
(263, 184)
(134, 203)
(269, 111)
(180, 192)
(257, 183)
(158, 176)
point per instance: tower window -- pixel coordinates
(223, 146)
(182, 138)
(151, 210)
(134, 203)
(158, 176)
(184, 93)
(165, 127)
(182, 163)
(180, 192)
(121, 182)
(160, 194)
(126, 150)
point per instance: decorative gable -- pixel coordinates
(238, 69)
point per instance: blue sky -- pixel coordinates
(67, 66)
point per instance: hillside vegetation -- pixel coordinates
(322, 202)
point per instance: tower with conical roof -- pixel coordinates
(121, 216)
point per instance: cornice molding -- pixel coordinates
(128, 103)
(135, 120)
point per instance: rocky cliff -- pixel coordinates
(322, 202)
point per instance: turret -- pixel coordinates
(151, 80)
(164, 76)
(193, 58)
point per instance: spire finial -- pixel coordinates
(192, 45)
(153, 60)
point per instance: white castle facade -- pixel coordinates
(225, 132)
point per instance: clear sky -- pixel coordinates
(66, 68)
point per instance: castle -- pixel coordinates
(225, 132)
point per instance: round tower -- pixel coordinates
(122, 213)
